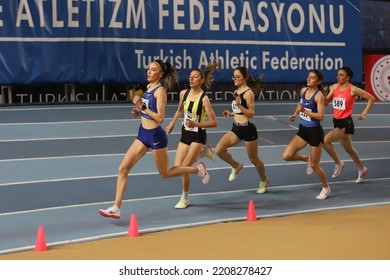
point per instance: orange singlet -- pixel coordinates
(343, 102)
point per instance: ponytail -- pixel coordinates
(207, 74)
(254, 85)
(169, 73)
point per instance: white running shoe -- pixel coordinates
(309, 168)
(324, 193)
(338, 168)
(263, 186)
(361, 175)
(182, 204)
(207, 152)
(233, 175)
(112, 212)
(202, 173)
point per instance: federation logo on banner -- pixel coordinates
(377, 69)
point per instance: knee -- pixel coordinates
(327, 141)
(219, 151)
(286, 156)
(164, 174)
(315, 165)
(123, 170)
(254, 160)
(327, 146)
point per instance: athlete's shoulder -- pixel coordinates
(303, 90)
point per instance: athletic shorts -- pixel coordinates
(187, 137)
(245, 131)
(347, 123)
(312, 135)
(155, 138)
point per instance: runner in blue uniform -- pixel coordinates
(311, 110)
(151, 135)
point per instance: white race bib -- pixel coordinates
(146, 102)
(189, 117)
(235, 108)
(304, 116)
(339, 103)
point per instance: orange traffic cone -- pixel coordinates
(133, 227)
(40, 242)
(251, 216)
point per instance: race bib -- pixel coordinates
(145, 102)
(235, 108)
(304, 116)
(189, 117)
(339, 103)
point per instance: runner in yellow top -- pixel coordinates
(195, 105)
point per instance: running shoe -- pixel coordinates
(309, 168)
(324, 193)
(361, 175)
(112, 212)
(182, 204)
(202, 173)
(207, 152)
(233, 175)
(263, 186)
(338, 168)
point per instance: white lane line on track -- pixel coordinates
(170, 151)
(173, 133)
(156, 173)
(309, 185)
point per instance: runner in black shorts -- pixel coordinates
(195, 105)
(187, 137)
(246, 131)
(343, 96)
(311, 110)
(346, 123)
(312, 135)
(243, 110)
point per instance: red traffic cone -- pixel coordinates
(251, 216)
(133, 227)
(40, 242)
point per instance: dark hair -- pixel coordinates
(348, 70)
(207, 74)
(320, 77)
(254, 85)
(169, 73)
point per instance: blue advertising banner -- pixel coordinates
(113, 41)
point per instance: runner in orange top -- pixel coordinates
(343, 96)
